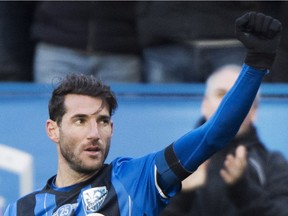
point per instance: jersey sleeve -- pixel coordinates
(184, 156)
(136, 187)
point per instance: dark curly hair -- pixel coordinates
(83, 85)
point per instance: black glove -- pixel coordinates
(261, 35)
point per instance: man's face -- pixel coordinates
(220, 84)
(85, 133)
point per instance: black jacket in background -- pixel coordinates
(262, 192)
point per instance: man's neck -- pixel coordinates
(70, 177)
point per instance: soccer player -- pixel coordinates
(80, 124)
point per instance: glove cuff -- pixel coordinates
(260, 60)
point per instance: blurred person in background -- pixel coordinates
(243, 179)
(183, 41)
(280, 65)
(16, 46)
(94, 37)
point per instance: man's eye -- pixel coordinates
(80, 121)
(104, 122)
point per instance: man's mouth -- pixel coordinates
(93, 150)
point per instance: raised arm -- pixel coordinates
(260, 35)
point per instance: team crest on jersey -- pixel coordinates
(94, 197)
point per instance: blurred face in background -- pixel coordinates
(217, 85)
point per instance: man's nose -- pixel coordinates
(93, 131)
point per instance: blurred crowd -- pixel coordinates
(127, 41)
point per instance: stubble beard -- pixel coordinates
(74, 162)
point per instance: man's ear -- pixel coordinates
(52, 130)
